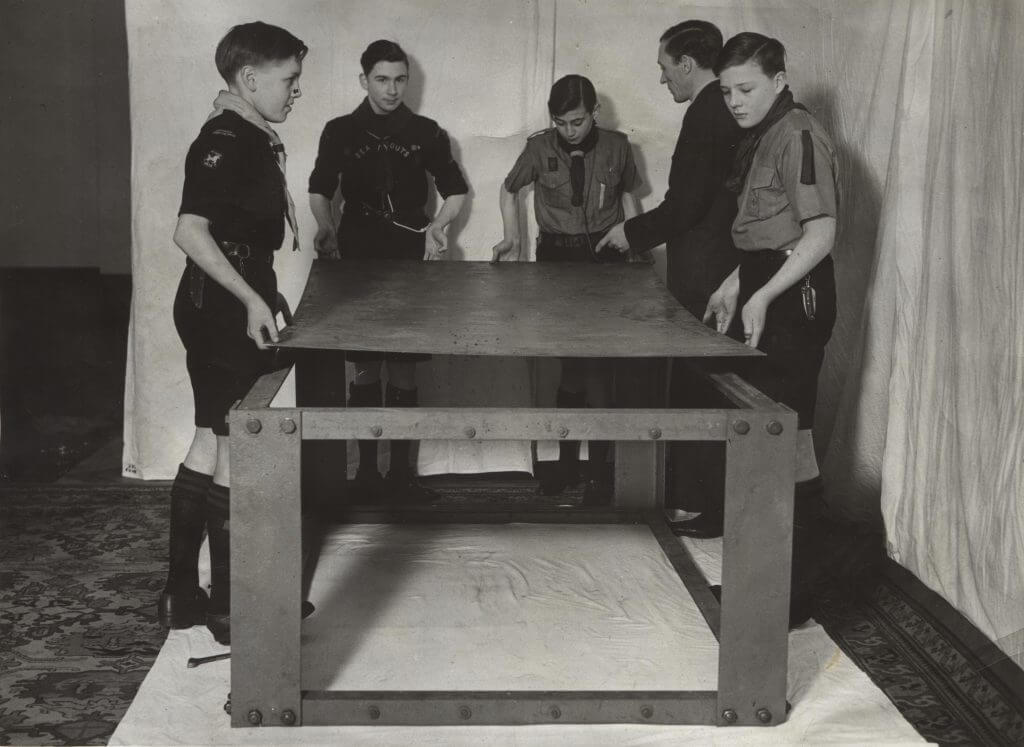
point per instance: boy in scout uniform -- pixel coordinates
(584, 176)
(234, 207)
(785, 180)
(379, 157)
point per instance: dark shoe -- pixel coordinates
(368, 486)
(404, 488)
(551, 478)
(597, 493)
(179, 611)
(600, 486)
(706, 526)
(220, 625)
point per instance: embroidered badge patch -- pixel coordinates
(552, 163)
(211, 159)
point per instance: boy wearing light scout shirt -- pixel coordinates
(584, 178)
(785, 178)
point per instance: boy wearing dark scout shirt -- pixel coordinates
(233, 209)
(379, 157)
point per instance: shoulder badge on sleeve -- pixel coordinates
(807, 175)
(212, 159)
(225, 133)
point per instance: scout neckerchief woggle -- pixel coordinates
(229, 101)
(745, 151)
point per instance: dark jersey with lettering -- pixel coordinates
(232, 178)
(380, 163)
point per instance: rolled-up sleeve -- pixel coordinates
(211, 175)
(808, 172)
(523, 172)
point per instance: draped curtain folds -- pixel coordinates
(920, 404)
(932, 415)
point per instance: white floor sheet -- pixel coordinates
(518, 607)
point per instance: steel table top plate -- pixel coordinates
(510, 308)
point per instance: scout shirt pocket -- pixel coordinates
(555, 189)
(767, 194)
(607, 187)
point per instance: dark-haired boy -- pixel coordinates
(234, 207)
(693, 221)
(379, 157)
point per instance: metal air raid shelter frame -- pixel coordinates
(277, 453)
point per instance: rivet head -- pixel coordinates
(647, 712)
(374, 712)
(655, 433)
(253, 425)
(764, 715)
(377, 431)
(254, 717)
(288, 426)
(470, 432)
(774, 427)
(227, 705)
(288, 717)
(465, 713)
(556, 712)
(563, 432)
(729, 715)
(741, 426)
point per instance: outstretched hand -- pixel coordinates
(260, 324)
(722, 304)
(437, 242)
(504, 248)
(615, 238)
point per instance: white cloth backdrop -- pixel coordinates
(933, 413)
(921, 394)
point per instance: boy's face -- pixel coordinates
(275, 85)
(749, 93)
(385, 85)
(574, 125)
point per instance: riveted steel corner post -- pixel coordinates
(756, 560)
(266, 567)
(320, 382)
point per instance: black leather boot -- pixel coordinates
(218, 529)
(182, 603)
(218, 614)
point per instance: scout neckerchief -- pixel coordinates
(752, 138)
(227, 101)
(577, 152)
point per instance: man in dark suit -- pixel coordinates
(693, 221)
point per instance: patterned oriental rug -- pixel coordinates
(81, 567)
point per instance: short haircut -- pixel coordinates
(700, 40)
(570, 92)
(255, 44)
(768, 53)
(382, 50)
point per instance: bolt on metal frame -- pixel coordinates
(750, 622)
